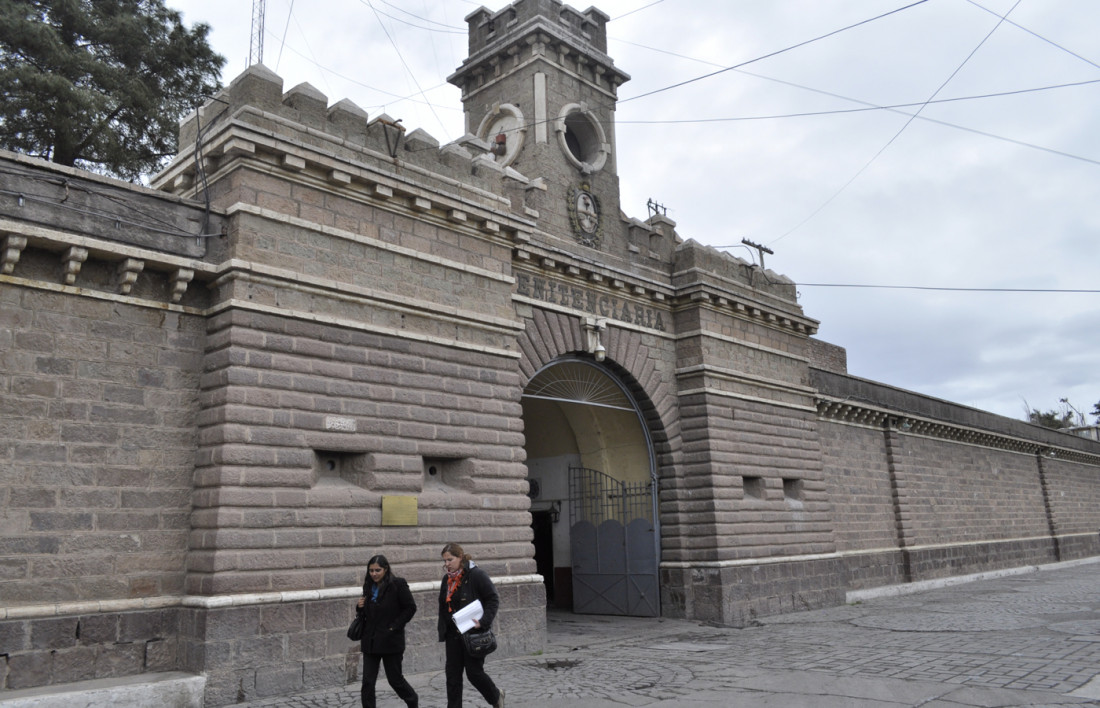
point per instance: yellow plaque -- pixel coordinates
(398, 511)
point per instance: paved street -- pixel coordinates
(1025, 639)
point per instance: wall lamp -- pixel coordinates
(905, 425)
(592, 329)
(554, 509)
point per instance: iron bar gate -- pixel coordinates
(613, 545)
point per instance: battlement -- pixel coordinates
(299, 130)
(542, 29)
(588, 27)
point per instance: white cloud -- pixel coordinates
(940, 206)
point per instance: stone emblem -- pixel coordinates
(584, 215)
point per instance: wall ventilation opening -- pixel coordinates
(753, 487)
(441, 473)
(792, 492)
(331, 466)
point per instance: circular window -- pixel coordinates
(582, 138)
(503, 129)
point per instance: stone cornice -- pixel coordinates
(864, 415)
(724, 301)
(566, 267)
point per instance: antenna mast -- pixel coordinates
(256, 44)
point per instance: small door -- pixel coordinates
(542, 525)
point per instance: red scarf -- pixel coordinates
(453, 581)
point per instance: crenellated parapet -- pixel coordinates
(297, 131)
(538, 29)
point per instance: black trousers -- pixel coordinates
(457, 662)
(392, 664)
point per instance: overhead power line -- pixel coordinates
(965, 290)
(775, 53)
(896, 107)
(896, 135)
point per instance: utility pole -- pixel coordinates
(256, 44)
(759, 249)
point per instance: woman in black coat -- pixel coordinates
(464, 583)
(387, 606)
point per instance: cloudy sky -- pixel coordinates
(945, 151)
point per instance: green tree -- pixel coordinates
(100, 84)
(1050, 419)
(1096, 412)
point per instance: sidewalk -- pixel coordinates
(1027, 639)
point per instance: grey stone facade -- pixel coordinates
(217, 395)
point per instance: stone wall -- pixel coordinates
(927, 489)
(213, 413)
(101, 346)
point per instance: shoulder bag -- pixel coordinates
(480, 642)
(355, 630)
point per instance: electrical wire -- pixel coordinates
(448, 29)
(895, 107)
(773, 54)
(1034, 34)
(643, 7)
(870, 106)
(896, 135)
(282, 43)
(404, 63)
(151, 218)
(60, 204)
(945, 289)
(398, 98)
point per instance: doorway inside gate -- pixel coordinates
(592, 479)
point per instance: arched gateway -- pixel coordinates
(593, 488)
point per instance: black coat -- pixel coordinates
(475, 585)
(384, 632)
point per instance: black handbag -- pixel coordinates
(480, 642)
(355, 631)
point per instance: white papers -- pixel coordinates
(465, 617)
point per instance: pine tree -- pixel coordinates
(100, 84)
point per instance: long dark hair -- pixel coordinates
(381, 562)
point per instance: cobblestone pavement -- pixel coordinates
(1026, 639)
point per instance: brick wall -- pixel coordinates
(857, 480)
(959, 490)
(96, 447)
(98, 400)
(1074, 506)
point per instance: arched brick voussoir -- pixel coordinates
(559, 329)
(538, 333)
(548, 336)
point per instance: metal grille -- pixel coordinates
(578, 382)
(613, 542)
(596, 497)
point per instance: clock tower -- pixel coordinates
(540, 89)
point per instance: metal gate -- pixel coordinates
(613, 542)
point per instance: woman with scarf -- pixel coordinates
(387, 606)
(463, 583)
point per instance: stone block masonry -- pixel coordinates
(214, 412)
(99, 409)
